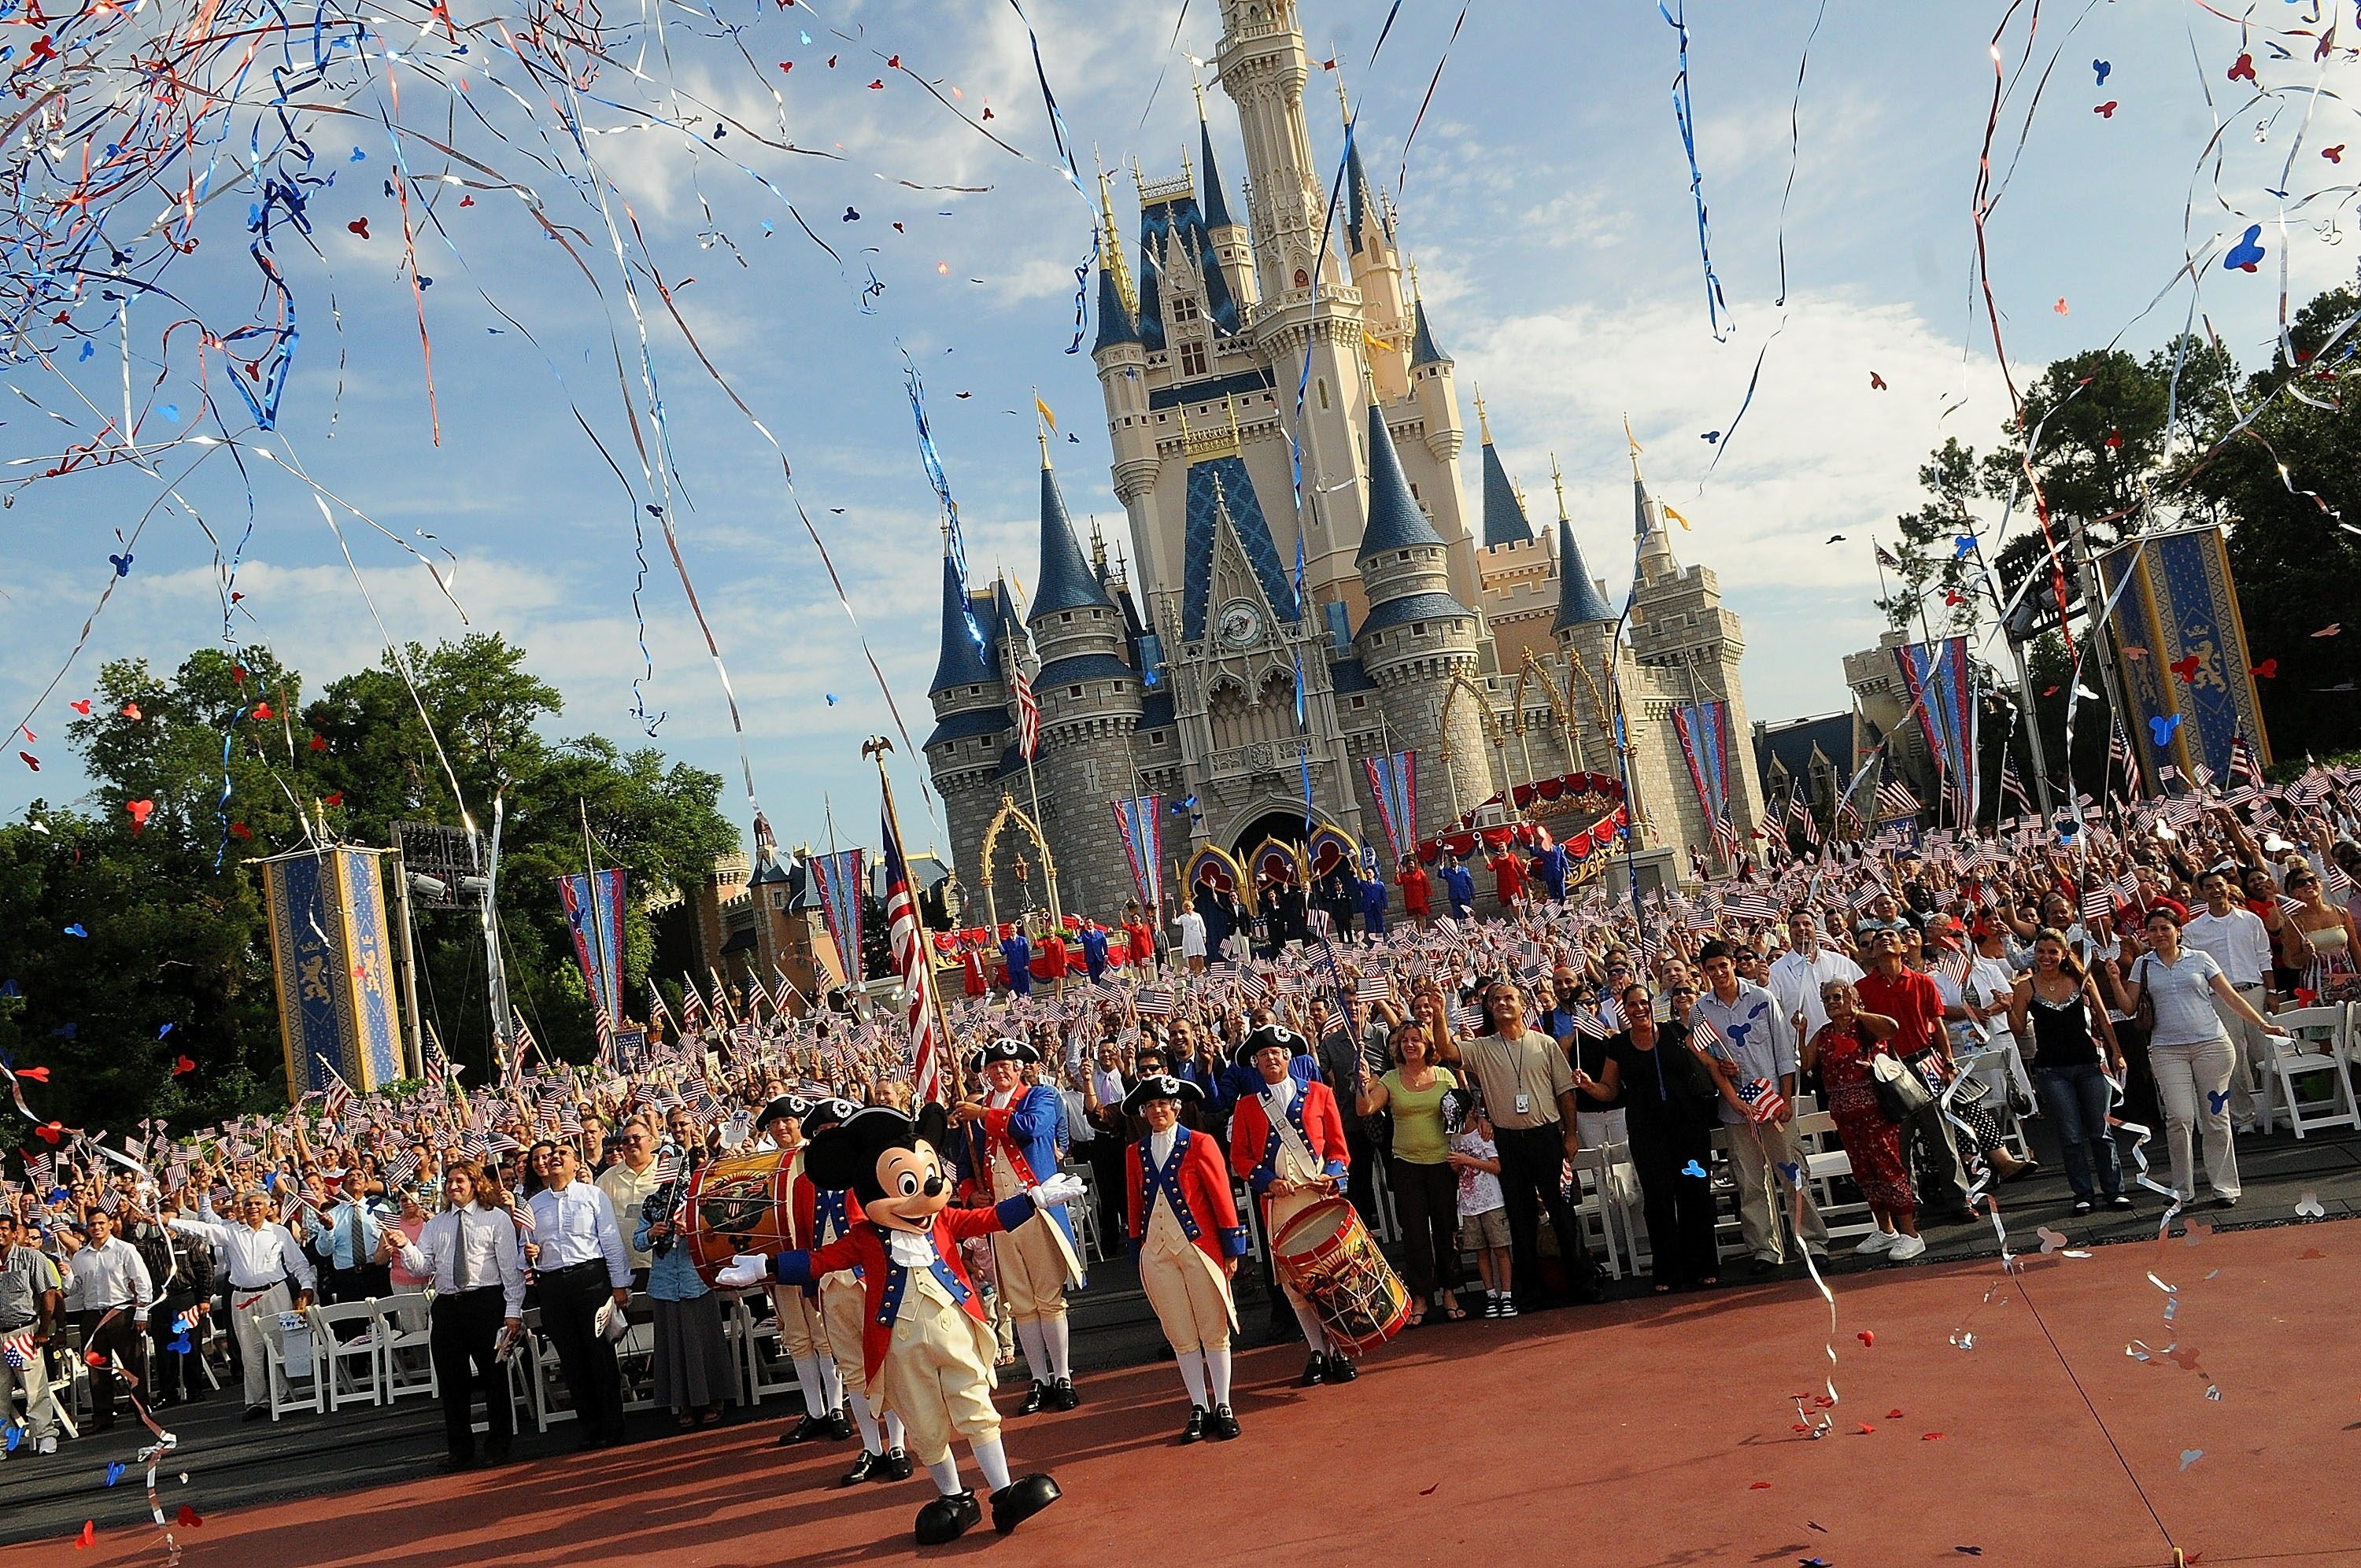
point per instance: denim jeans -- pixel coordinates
(2076, 1099)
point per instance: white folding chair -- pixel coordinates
(405, 1353)
(551, 1402)
(764, 1351)
(1824, 1166)
(2322, 1045)
(290, 1357)
(345, 1370)
(1623, 1187)
(1594, 1206)
(1083, 1212)
(635, 1353)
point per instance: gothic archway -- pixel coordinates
(1010, 812)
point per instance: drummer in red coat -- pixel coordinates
(1288, 1142)
(1187, 1239)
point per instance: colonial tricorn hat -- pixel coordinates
(1160, 1086)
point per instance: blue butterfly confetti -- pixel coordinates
(1693, 1169)
(2103, 67)
(2161, 726)
(2247, 256)
(75, 930)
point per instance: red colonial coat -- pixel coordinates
(1204, 1189)
(864, 1248)
(1254, 1145)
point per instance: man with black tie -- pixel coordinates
(470, 1252)
(579, 1258)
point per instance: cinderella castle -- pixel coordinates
(1278, 633)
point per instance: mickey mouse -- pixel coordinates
(927, 1346)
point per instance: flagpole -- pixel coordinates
(946, 1071)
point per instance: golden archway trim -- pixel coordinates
(1010, 812)
(1486, 718)
(1597, 701)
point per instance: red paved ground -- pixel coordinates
(1634, 1436)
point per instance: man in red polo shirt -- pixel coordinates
(1912, 1000)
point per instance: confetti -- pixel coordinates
(2309, 1206)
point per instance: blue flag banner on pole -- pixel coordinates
(838, 877)
(2183, 608)
(1139, 820)
(332, 955)
(1393, 780)
(1703, 730)
(1941, 688)
(594, 913)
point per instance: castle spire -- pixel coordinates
(1066, 582)
(1215, 203)
(1504, 510)
(1647, 519)
(1422, 350)
(959, 663)
(1395, 522)
(1580, 602)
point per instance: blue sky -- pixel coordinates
(1546, 205)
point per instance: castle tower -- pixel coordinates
(1376, 273)
(1233, 251)
(1434, 397)
(1417, 640)
(1504, 510)
(973, 726)
(1090, 698)
(1693, 645)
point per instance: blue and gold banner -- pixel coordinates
(332, 955)
(2188, 675)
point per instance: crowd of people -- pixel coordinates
(1931, 990)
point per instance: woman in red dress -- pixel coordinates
(1843, 1048)
(1411, 880)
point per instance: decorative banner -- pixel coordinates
(1140, 821)
(838, 877)
(594, 913)
(2192, 688)
(333, 957)
(1393, 780)
(1941, 688)
(1586, 810)
(1704, 729)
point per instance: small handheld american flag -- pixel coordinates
(18, 1349)
(1762, 1100)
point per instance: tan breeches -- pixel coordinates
(801, 1332)
(1190, 1296)
(841, 1303)
(1031, 1270)
(938, 1378)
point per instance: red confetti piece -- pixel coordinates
(2187, 668)
(49, 1131)
(893, 62)
(240, 831)
(1430, 1490)
(1760, 1486)
(131, 711)
(2114, 440)
(2266, 670)
(878, 85)
(140, 810)
(2330, 629)
(337, 798)
(319, 744)
(80, 706)
(2334, 154)
(787, 65)
(2060, 306)
(1894, 1415)
(38, 1074)
(187, 1519)
(1866, 1429)
(184, 1066)
(1867, 1336)
(359, 227)
(466, 201)
(29, 760)
(1931, 1437)
(94, 1358)
(2242, 70)
(89, 1534)
(1876, 382)
(262, 712)
(2309, 1255)
(2105, 111)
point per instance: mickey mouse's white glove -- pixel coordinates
(1059, 1188)
(744, 1270)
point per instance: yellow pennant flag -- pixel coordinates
(1047, 417)
(1675, 516)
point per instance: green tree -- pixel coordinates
(1934, 594)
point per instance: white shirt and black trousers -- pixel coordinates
(473, 1258)
(115, 1294)
(266, 1271)
(581, 1263)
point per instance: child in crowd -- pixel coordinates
(1483, 1209)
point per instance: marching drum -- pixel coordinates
(1326, 1254)
(737, 1203)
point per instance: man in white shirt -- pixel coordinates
(470, 1254)
(627, 1184)
(579, 1258)
(2234, 937)
(1798, 974)
(262, 1257)
(115, 1292)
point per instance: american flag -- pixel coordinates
(657, 1012)
(1028, 718)
(1374, 988)
(2119, 755)
(400, 1169)
(1705, 1036)
(1588, 1026)
(781, 992)
(1762, 1099)
(18, 1349)
(911, 962)
(1256, 988)
(692, 1006)
(1799, 816)
(1894, 799)
(2245, 767)
(1724, 838)
(1154, 1002)
(340, 1093)
(2098, 904)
